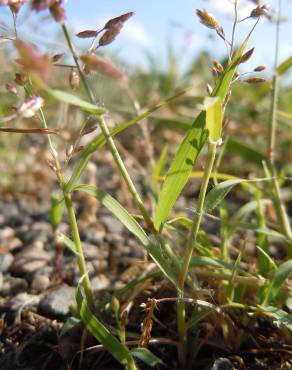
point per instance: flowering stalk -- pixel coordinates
(182, 328)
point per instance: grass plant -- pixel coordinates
(181, 250)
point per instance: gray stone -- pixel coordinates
(30, 260)
(40, 283)
(91, 251)
(222, 363)
(100, 282)
(58, 302)
(112, 224)
(12, 285)
(6, 233)
(6, 260)
(22, 300)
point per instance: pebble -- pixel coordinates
(6, 260)
(22, 300)
(40, 283)
(30, 260)
(222, 363)
(12, 285)
(94, 236)
(100, 282)
(91, 252)
(57, 303)
(112, 225)
(6, 233)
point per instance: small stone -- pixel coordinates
(58, 302)
(12, 285)
(93, 236)
(5, 261)
(222, 363)
(91, 251)
(100, 282)
(22, 300)
(30, 260)
(40, 283)
(6, 233)
(10, 244)
(99, 265)
(112, 225)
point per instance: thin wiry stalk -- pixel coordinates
(110, 142)
(277, 200)
(72, 220)
(234, 28)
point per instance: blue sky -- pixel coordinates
(158, 22)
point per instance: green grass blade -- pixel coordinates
(99, 141)
(278, 315)
(180, 169)
(132, 225)
(68, 243)
(75, 100)
(284, 66)
(145, 355)
(213, 107)
(100, 332)
(56, 211)
(218, 193)
(187, 154)
(207, 261)
(280, 275)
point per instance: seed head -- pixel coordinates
(218, 67)
(110, 34)
(259, 11)
(260, 68)
(11, 88)
(92, 63)
(74, 79)
(207, 19)
(246, 56)
(255, 80)
(30, 106)
(20, 79)
(86, 34)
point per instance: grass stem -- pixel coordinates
(182, 328)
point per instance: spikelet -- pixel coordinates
(208, 19)
(255, 80)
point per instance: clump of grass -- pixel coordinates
(182, 266)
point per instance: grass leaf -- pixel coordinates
(279, 315)
(284, 66)
(75, 100)
(280, 275)
(99, 331)
(218, 193)
(99, 141)
(62, 238)
(132, 225)
(187, 154)
(213, 107)
(145, 355)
